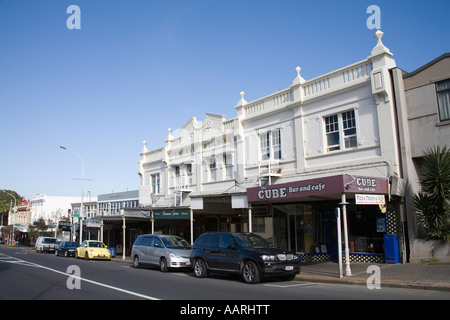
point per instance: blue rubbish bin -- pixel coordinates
(113, 252)
(391, 253)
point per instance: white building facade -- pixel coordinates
(285, 162)
(51, 208)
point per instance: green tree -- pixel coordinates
(433, 202)
(37, 228)
(5, 199)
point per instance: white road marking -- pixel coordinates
(288, 285)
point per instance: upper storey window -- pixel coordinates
(155, 181)
(340, 131)
(443, 96)
(270, 145)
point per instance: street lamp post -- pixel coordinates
(14, 218)
(82, 190)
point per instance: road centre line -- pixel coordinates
(26, 263)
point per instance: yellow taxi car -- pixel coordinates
(93, 249)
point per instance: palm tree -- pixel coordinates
(433, 203)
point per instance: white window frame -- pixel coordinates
(228, 163)
(341, 131)
(443, 99)
(188, 168)
(212, 165)
(155, 183)
(270, 145)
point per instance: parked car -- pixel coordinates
(45, 244)
(165, 251)
(242, 253)
(66, 249)
(93, 249)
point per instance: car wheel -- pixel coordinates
(76, 254)
(136, 262)
(200, 269)
(66, 254)
(250, 272)
(163, 265)
(56, 252)
(86, 256)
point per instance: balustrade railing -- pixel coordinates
(336, 80)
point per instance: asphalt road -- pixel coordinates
(26, 275)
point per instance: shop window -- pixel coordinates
(262, 222)
(366, 229)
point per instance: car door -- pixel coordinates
(155, 250)
(228, 253)
(82, 249)
(144, 248)
(211, 251)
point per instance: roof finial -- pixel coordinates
(378, 35)
(380, 47)
(144, 149)
(299, 79)
(242, 102)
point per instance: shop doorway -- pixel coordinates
(292, 228)
(305, 228)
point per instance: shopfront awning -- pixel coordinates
(129, 214)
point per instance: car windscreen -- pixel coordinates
(71, 244)
(48, 240)
(175, 242)
(251, 240)
(96, 245)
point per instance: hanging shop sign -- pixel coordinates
(169, 214)
(64, 225)
(377, 199)
(92, 224)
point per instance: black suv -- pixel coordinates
(242, 253)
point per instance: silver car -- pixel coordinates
(165, 251)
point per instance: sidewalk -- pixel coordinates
(426, 276)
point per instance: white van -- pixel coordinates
(47, 244)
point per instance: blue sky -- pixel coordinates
(139, 67)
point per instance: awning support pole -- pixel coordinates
(348, 271)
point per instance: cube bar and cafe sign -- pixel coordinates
(317, 187)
